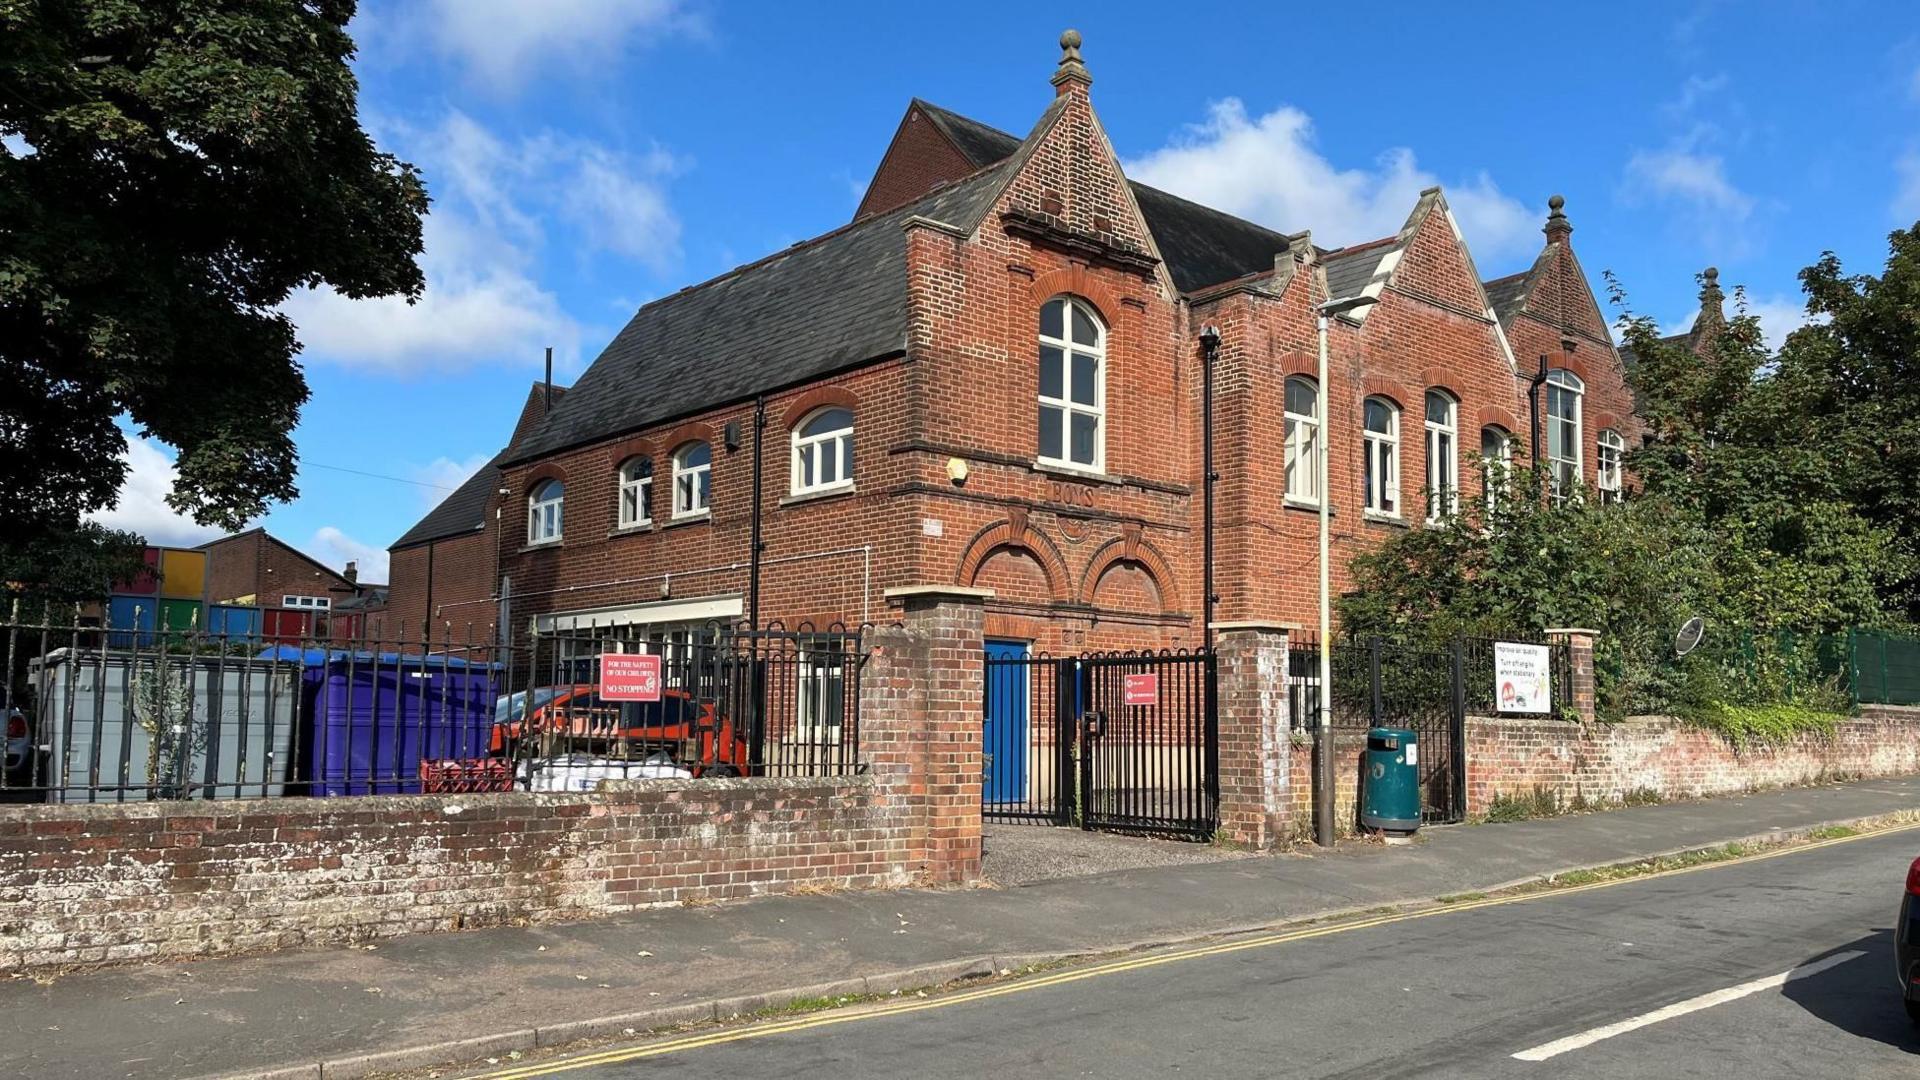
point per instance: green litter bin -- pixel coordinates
(1390, 780)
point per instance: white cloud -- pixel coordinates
(503, 44)
(336, 549)
(1679, 175)
(446, 474)
(1268, 170)
(1780, 314)
(494, 202)
(1906, 199)
(142, 507)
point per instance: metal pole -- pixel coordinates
(1323, 730)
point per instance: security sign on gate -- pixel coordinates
(1140, 689)
(629, 677)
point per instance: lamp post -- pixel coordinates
(1323, 728)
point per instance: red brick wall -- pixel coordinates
(1606, 762)
(254, 564)
(104, 883)
(918, 159)
(83, 884)
(460, 592)
(1078, 562)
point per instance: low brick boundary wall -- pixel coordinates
(114, 882)
(1605, 763)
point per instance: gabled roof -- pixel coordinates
(820, 306)
(261, 531)
(1201, 246)
(1349, 269)
(464, 511)
(1507, 294)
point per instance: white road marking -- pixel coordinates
(1682, 1008)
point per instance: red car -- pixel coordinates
(1906, 943)
(572, 718)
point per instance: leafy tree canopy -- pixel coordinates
(170, 171)
(1779, 497)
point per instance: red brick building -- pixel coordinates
(992, 378)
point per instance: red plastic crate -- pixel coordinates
(459, 776)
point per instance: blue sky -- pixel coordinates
(586, 156)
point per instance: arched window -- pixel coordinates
(1564, 391)
(545, 504)
(1443, 455)
(692, 480)
(1496, 463)
(1606, 475)
(1073, 352)
(636, 492)
(823, 451)
(1303, 441)
(1382, 462)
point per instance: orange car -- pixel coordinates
(575, 718)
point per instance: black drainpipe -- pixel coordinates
(753, 541)
(1209, 348)
(1533, 410)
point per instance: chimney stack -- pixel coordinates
(351, 573)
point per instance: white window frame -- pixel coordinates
(546, 512)
(1565, 474)
(1503, 456)
(307, 603)
(807, 447)
(1303, 433)
(1443, 457)
(686, 482)
(1610, 450)
(815, 721)
(1380, 470)
(1065, 405)
(636, 492)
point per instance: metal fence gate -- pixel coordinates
(1430, 688)
(1125, 742)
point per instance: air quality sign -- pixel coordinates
(1522, 678)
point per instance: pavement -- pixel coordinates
(431, 999)
(1029, 854)
(1779, 967)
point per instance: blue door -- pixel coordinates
(1004, 741)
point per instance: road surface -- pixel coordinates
(1776, 967)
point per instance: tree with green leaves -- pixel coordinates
(170, 171)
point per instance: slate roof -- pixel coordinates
(818, 307)
(1507, 294)
(462, 512)
(1349, 269)
(1202, 246)
(982, 144)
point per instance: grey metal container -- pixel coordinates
(241, 716)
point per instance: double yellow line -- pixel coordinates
(904, 1006)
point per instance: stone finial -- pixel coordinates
(1557, 227)
(1713, 310)
(1072, 70)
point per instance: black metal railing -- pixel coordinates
(1123, 741)
(1430, 688)
(97, 712)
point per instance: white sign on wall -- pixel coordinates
(1522, 678)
